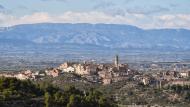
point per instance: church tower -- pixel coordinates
(116, 61)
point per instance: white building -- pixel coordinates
(184, 73)
(69, 69)
(21, 76)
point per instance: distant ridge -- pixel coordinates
(96, 35)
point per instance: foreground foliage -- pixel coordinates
(26, 93)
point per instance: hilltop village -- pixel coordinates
(107, 74)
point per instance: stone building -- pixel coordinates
(64, 66)
(86, 69)
(53, 72)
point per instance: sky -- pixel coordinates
(146, 14)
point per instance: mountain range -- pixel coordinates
(110, 36)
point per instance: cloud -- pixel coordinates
(21, 7)
(140, 20)
(2, 7)
(4, 10)
(9, 20)
(174, 5)
(147, 10)
(113, 8)
(128, 1)
(177, 21)
(103, 5)
(67, 17)
(57, 0)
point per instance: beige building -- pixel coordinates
(22, 76)
(83, 69)
(185, 73)
(53, 72)
(114, 74)
(146, 80)
(107, 81)
(64, 66)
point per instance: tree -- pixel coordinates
(187, 96)
(47, 99)
(102, 102)
(6, 94)
(74, 101)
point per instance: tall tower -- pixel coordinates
(116, 61)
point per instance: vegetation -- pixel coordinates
(72, 97)
(77, 94)
(128, 92)
(12, 88)
(27, 92)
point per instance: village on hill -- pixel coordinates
(108, 73)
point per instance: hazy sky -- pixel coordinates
(141, 13)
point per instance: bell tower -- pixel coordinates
(116, 61)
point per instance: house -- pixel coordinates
(184, 73)
(53, 72)
(41, 73)
(107, 81)
(146, 80)
(168, 75)
(114, 74)
(105, 74)
(64, 66)
(86, 69)
(7, 75)
(22, 76)
(179, 82)
(69, 69)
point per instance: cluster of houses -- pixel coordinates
(97, 73)
(101, 73)
(165, 78)
(177, 78)
(23, 75)
(106, 74)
